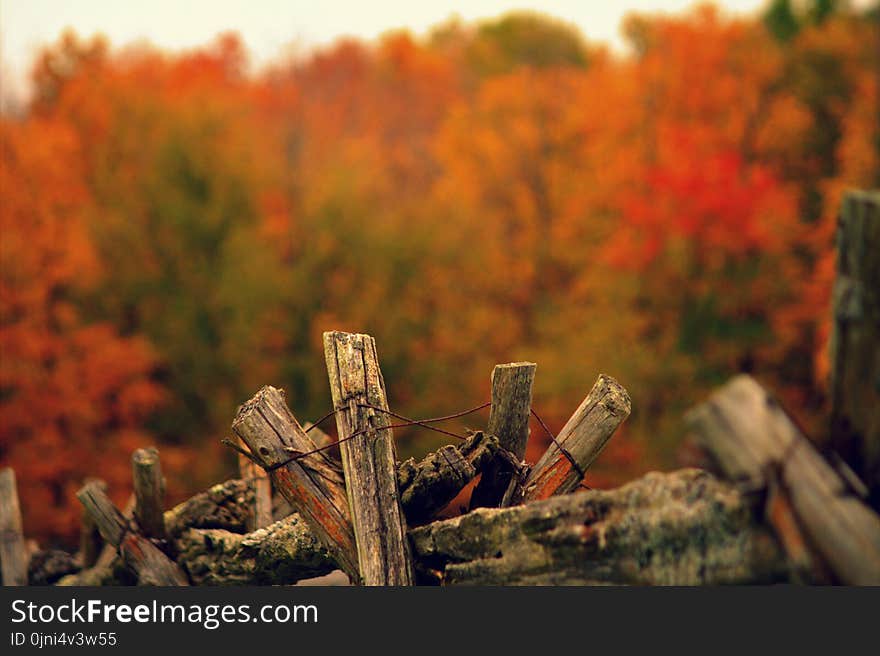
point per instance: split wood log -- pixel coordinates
(509, 416)
(258, 480)
(681, 528)
(13, 555)
(855, 340)
(282, 553)
(428, 486)
(312, 484)
(561, 469)
(368, 458)
(90, 541)
(149, 493)
(749, 434)
(151, 565)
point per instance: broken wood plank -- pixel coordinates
(680, 528)
(257, 478)
(312, 484)
(509, 416)
(561, 469)
(13, 555)
(746, 431)
(368, 458)
(429, 485)
(151, 565)
(855, 340)
(149, 493)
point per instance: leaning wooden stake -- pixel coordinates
(582, 438)
(750, 436)
(312, 485)
(368, 459)
(149, 493)
(151, 565)
(855, 341)
(258, 479)
(13, 555)
(508, 421)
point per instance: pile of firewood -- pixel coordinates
(766, 506)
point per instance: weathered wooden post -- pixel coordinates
(855, 340)
(750, 435)
(149, 563)
(149, 493)
(258, 480)
(90, 541)
(368, 458)
(13, 555)
(583, 437)
(509, 417)
(312, 484)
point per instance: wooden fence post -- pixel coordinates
(90, 541)
(149, 493)
(583, 437)
(312, 485)
(855, 340)
(258, 480)
(750, 435)
(368, 459)
(149, 563)
(13, 555)
(509, 417)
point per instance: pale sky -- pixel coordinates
(270, 27)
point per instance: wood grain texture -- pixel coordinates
(90, 541)
(681, 528)
(855, 339)
(509, 417)
(149, 493)
(368, 460)
(312, 485)
(261, 485)
(748, 433)
(584, 436)
(151, 566)
(13, 554)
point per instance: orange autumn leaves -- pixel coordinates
(178, 232)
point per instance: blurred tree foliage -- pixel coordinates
(178, 232)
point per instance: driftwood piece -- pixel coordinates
(681, 528)
(429, 485)
(368, 458)
(509, 417)
(583, 438)
(748, 433)
(13, 554)
(258, 480)
(855, 340)
(151, 565)
(282, 553)
(149, 493)
(312, 485)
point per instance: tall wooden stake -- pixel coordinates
(13, 555)
(582, 438)
(258, 480)
(855, 341)
(369, 459)
(149, 493)
(509, 417)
